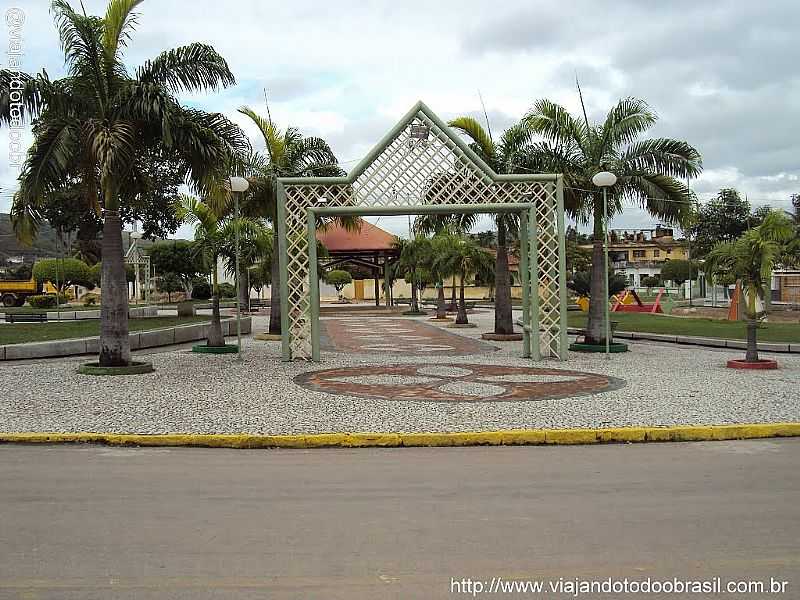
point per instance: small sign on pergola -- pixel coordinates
(422, 167)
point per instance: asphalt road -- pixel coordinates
(96, 522)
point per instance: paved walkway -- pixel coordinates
(396, 336)
(126, 523)
(664, 385)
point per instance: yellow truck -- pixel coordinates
(13, 292)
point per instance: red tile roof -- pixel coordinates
(369, 238)
(513, 259)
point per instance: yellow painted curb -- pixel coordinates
(512, 437)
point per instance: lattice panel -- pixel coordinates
(422, 165)
(548, 265)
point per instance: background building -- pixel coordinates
(641, 253)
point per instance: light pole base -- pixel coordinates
(614, 348)
(226, 349)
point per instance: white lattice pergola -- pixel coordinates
(421, 167)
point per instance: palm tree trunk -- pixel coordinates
(215, 337)
(244, 292)
(441, 308)
(751, 354)
(461, 318)
(275, 290)
(115, 346)
(598, 304)
(503, 319)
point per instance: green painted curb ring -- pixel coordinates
(226, 349)
(135, 368)
(614, 348)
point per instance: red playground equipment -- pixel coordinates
(629, 301)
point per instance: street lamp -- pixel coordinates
(238, 185)
(134, 249)
(604, 180)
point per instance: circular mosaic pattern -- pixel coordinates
(457, 383)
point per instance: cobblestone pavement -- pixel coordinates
(665, 385)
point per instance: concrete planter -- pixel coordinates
(78, 315)
(502, 337)
(764, 363)
(226, 349)
(138, 340)
(613, 348)
(186, 308)
(135, 368)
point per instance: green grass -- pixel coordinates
(24, 310)
(20, 333)
(729, 330)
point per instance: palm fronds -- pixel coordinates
(188, 68)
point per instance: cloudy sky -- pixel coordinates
(721, 75)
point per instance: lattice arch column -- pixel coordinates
(422, 166)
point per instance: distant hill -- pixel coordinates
(44, 246)
(46, 243)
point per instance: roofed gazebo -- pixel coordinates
(368, 246)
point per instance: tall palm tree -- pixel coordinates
(513, 154)
(414, 254)
(751, 259)
(255, 260)
(441, 226)
(791, 251)
(649, 172)
(215, 239)
(96, 123)
(288, 154)
(436, 271)
(462, 257)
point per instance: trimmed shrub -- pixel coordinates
(43, 301)
(651, 282)
(96, 270)
(201, 289)
(338, 279)
(90, 299)
(227, 290)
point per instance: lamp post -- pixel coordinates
(135, 236)
(238, 185)
(604, 180)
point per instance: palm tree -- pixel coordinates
(463, 257)
(791, 251)
(436, 271)
(441, 226)
(751, 259)
(512, 155)
(96, 124)
(215, 239)
(288, 154)
(255, 262)
(413, 255)
(649, 172)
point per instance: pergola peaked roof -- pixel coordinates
(483, 170)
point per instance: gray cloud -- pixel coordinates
(721, 75)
